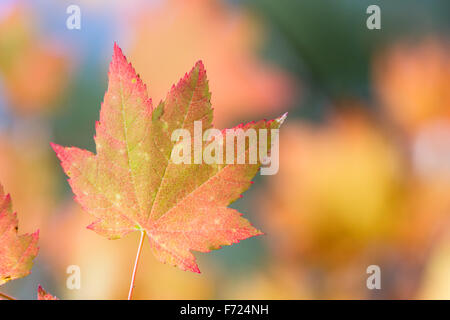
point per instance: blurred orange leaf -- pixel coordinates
(29, 176)
(172, 36)
(412, 81)
(44, 295)
(34, 69)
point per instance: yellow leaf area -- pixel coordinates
(345, 198)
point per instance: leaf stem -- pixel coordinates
(6, 297)
(136, 262)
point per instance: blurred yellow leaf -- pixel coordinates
(337, 191)
(276, 283)
(436, 284)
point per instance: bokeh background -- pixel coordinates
(364, 173)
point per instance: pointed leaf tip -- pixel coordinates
(44, 295)
(199, 64)
(118, 57)
(55, 147)
(117, 49)
(282, 118)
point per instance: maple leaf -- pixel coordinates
(132, 184)
(16, 251)
(44, 295)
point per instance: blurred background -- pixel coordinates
(364, 173)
